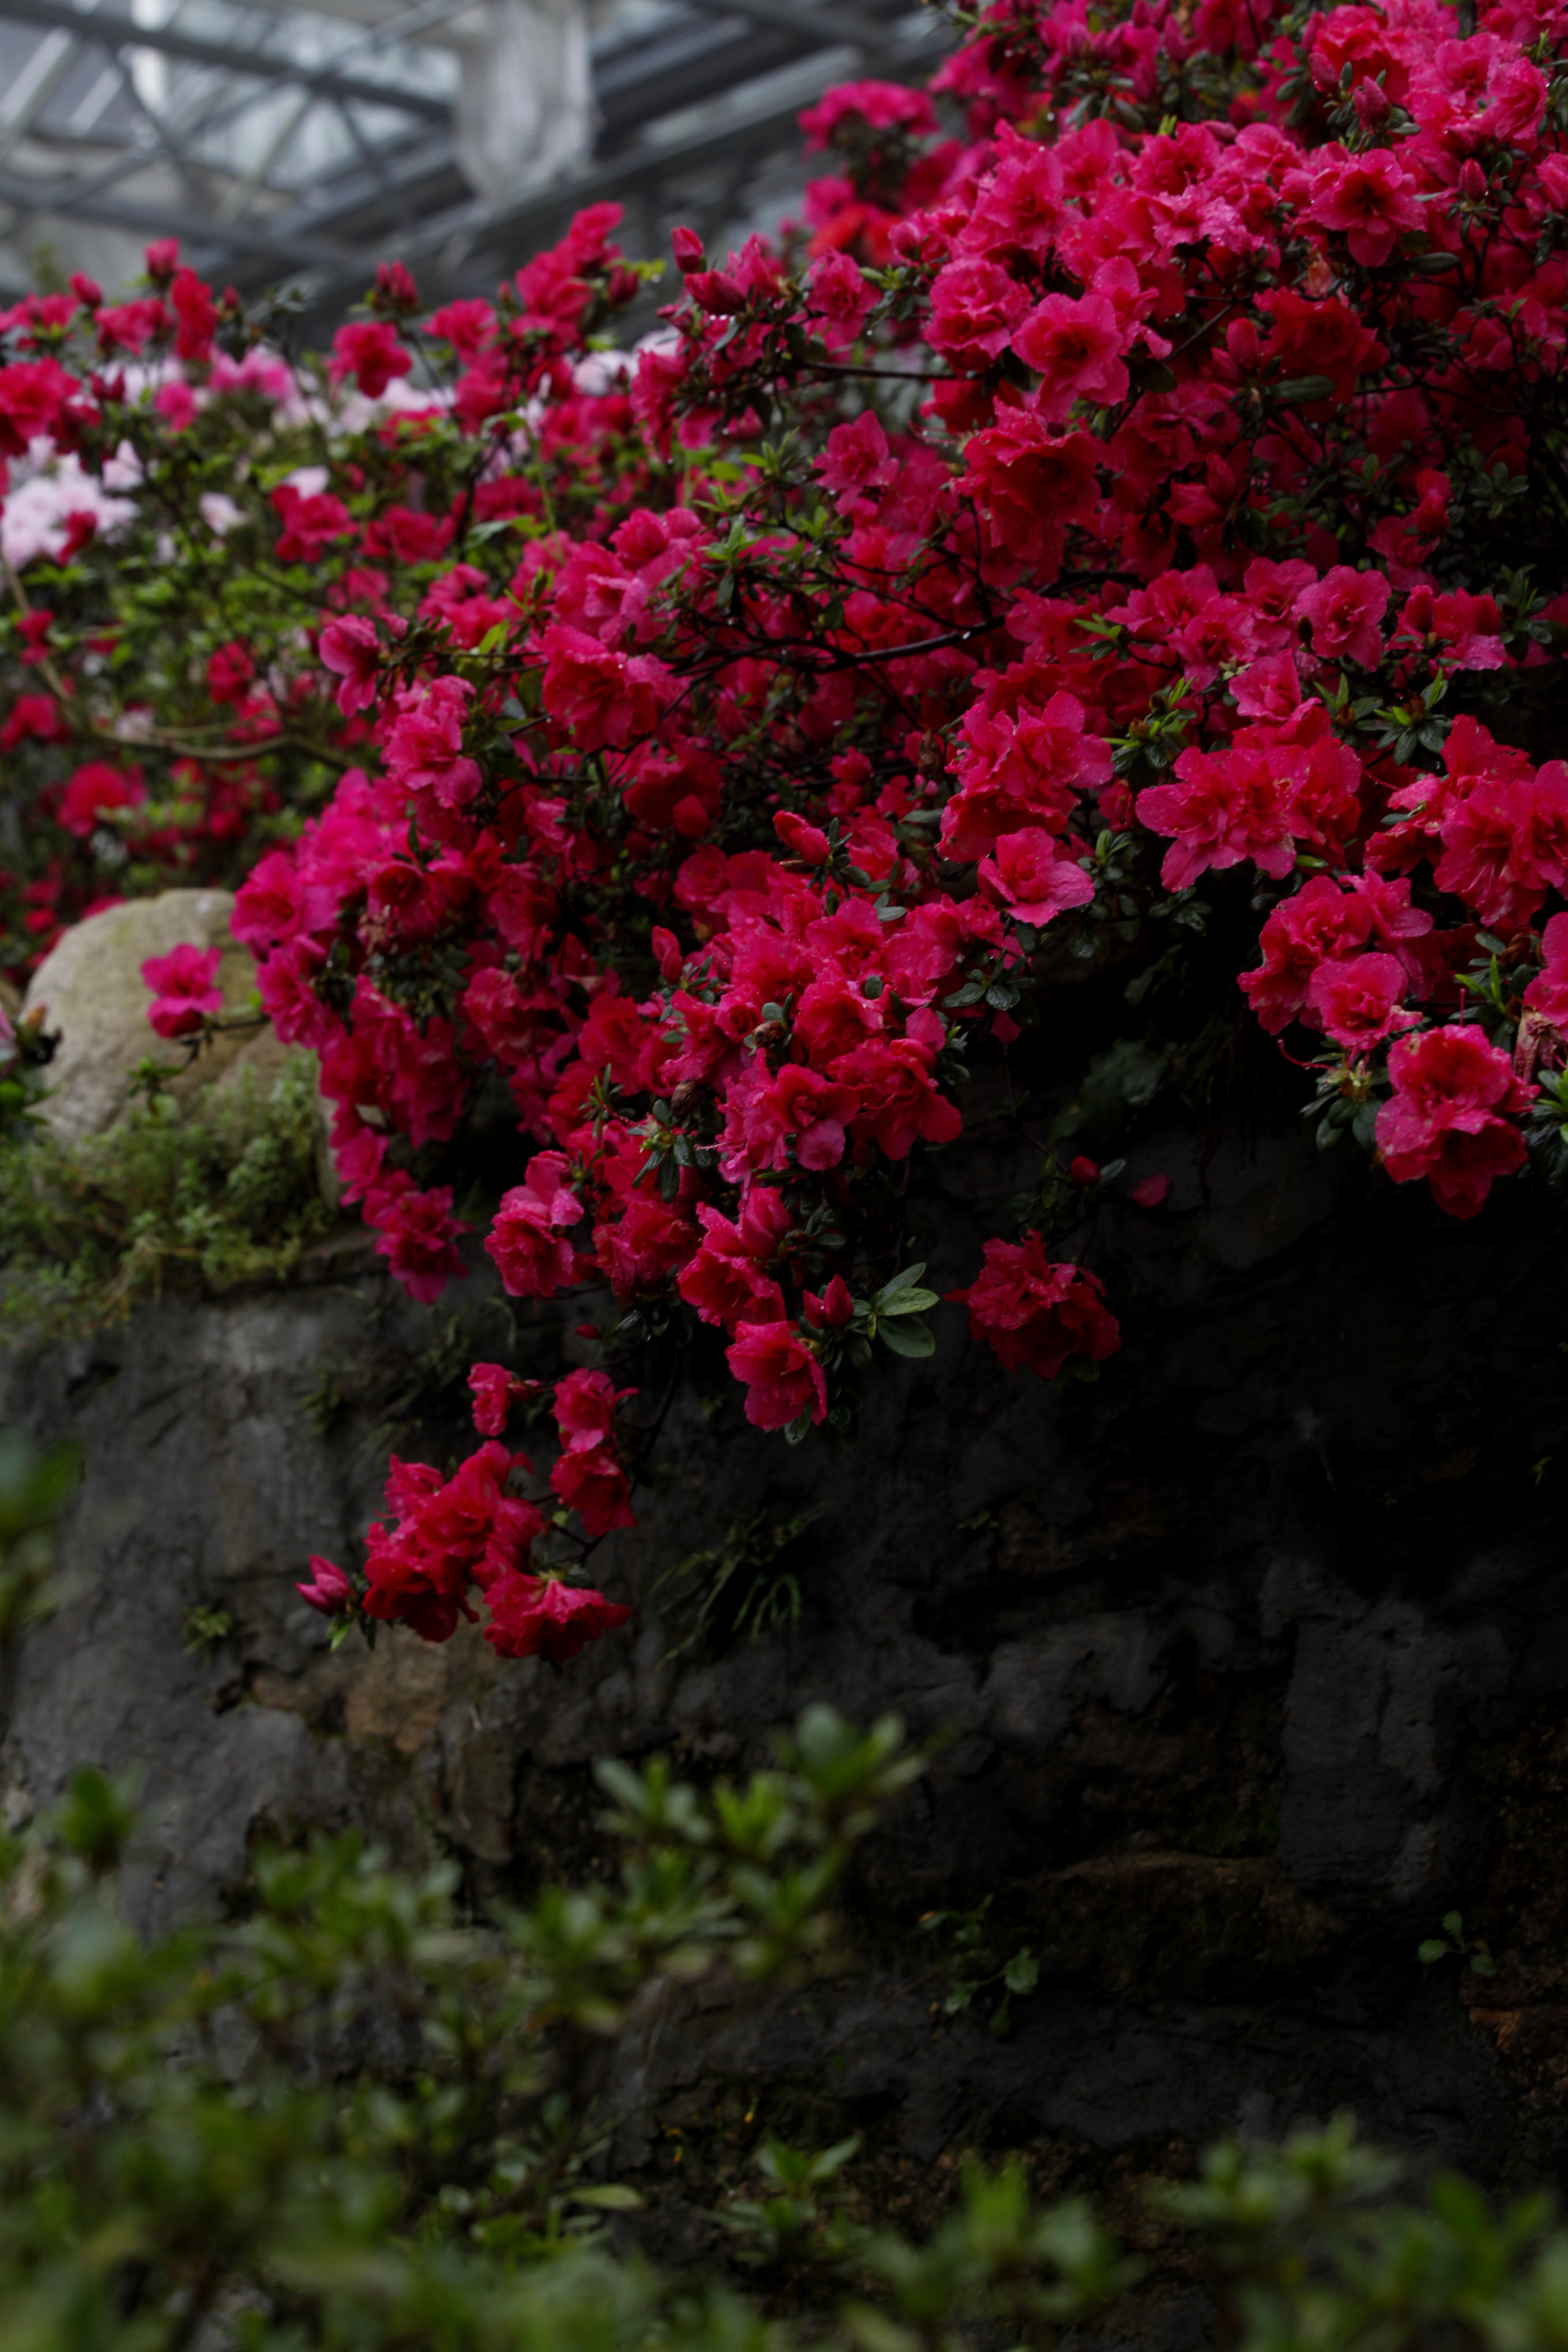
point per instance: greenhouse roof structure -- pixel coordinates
(303, 143)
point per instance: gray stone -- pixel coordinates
(90, 987)
(1249, 1656)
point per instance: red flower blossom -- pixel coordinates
(1505, 843)
(94, 790)
(425, 748)
(1075, 346)
(1449, 1119)
(1344, 609)
(1359, 1000)
(724, 1281)
(1225, 807)
(1021, 771)
(1547, 993)
(351, 649)
(857, 458)
(783, 1375)
(1034, 876)
(1369, 200)
(328, 1590)
(640, 1249)
(195, 315)
(1033, 1313)
(185, 990)
(229, 671)
(36, 717)
(1320, 920)
(1032, 485)
(494, 1390)
(603, 696)
(799, 1110)
(842, 297)
(975, 306)
(584, 1410)
(34, 397)
(310, 523)
(593, 1483)
(528, 1239)
(539, 1617)
(369, 351)
(416, 1234)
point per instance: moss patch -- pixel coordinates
(205, 1194)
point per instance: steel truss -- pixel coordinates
(280, 144)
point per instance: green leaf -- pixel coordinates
(1022, 1973)
(1151, 374)
(910, 1302)
(1303, 388)
(613, 2198)
(1435, 1947)
(908, 1338)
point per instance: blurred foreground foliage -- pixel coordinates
(350, 2120)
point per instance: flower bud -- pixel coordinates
(331, 1589)
(687, 247)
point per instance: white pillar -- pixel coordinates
(525, 106)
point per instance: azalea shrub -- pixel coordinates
(1112, 550)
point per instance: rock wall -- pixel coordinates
(1252, 1659)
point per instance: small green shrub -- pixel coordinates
(205, 1194)
(980, 1960)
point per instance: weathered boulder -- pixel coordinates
(90, 988)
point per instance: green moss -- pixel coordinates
(1249, 1829)
(203, 1195)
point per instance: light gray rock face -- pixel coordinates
(1255, 1654)
(90, 988)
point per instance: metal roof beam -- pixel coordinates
(531, 221)
(193, 229)
(816, 28)
(45, 73)
(626, 105)
(686, 70)
(681, 65)
(406, 194)
(107, 28)
(225, 108)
